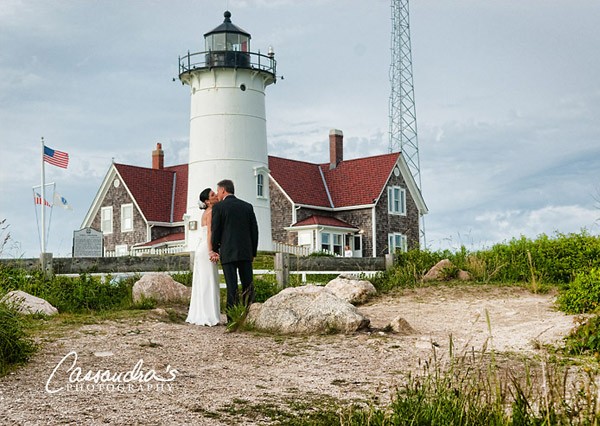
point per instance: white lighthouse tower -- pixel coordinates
(228, 134)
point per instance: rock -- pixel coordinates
(435, 273)
(351, 289)
(307, 309)
(401, 326)
(26, 303)
(464, 276)
(160, 287)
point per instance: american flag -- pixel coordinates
(56, 158)
(37, 198)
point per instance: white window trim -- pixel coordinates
(331, 244)
(123, 207)
(258, 176)
(391, 199)
(264, 171)
(102, 210)
(392, 242)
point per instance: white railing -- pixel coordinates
(303, 274)
(145, 251)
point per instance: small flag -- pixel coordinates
(61, 201)
(37, 198)
(56, 158)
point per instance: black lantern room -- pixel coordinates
(227, 46)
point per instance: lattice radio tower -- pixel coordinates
(403, 116)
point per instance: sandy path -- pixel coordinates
(217, 370)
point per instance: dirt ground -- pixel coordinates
(221, 378)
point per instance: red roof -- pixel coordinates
(181, 188)
(324, 221)
(351, 183)
(301, 181)
(152, 189)
(179, 236)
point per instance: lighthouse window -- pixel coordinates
(260, 185)
(216, 42)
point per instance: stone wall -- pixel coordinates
(162, 231)
(326, 263)
(281, 216)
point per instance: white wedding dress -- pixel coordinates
(205, 307)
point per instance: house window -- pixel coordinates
(337, 244)
(358, 243)
(260, 179)
(396, 200)
(397, 241)
(325, 241)
(106, 220)
(126, 217)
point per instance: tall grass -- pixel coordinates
(473, 390)
(15, 345)
(553, 260)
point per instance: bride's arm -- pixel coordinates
(207, 219)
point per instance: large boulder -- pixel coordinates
(306, 309)
(26, 303)
(160, 287)
(435, 273)
(351, 289)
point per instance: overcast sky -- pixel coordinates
(507, 97)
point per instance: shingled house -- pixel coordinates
(372, 204)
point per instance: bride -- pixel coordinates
(205, 300)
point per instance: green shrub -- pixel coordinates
(264, 288)
(556, 260)
(15, 346)
(585, 339)
(185, 278)
(582, 295)
(321, 254)
(70, 294)
(542, 261)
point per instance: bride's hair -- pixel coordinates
(204, 195)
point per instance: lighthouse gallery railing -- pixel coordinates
(227, 59)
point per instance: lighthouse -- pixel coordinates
(228, 132)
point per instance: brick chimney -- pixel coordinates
(336, 148)
(158, 157)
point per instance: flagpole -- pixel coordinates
(43, 188)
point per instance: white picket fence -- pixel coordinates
(291, 249)
(147, 251)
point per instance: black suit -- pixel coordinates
(235, 238)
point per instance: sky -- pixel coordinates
(507, 99)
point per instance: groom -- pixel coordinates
(234, 242)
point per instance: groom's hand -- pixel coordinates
(213, 256)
